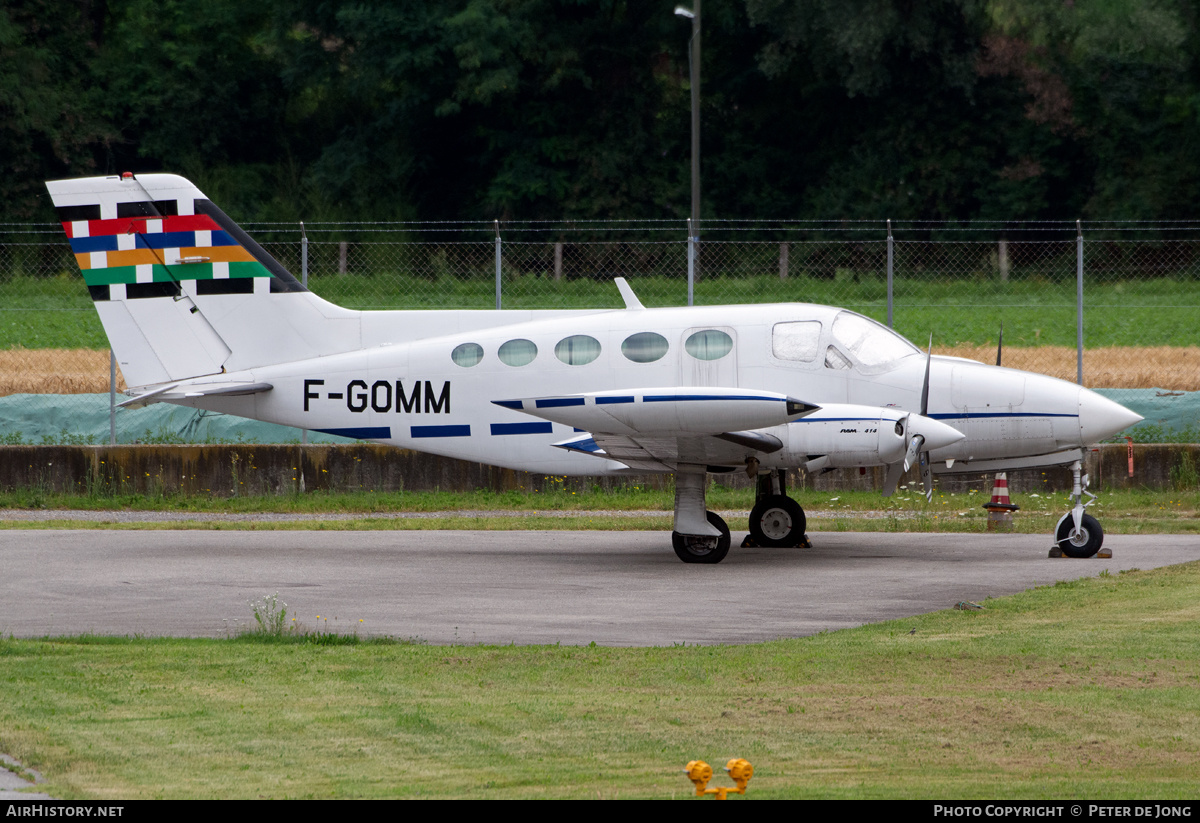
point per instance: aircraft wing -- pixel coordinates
(656, 429)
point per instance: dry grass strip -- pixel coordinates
(1112, 367)
(84, 371)
(55, 371)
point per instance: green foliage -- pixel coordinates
(470, 109)
(270, 615)
(1184, 475)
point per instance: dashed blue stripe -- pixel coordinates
(441, 431)
(361, 432)
(522, 428)
(961, 415)
(667, 398)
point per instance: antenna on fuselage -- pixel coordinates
(1000, 344)
(631, 300)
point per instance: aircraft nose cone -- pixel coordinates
(937, 434)
(1100, 418)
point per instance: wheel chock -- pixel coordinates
(1055, 551)
(1105, 553)
(748, 543)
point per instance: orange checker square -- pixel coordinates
(134, 257)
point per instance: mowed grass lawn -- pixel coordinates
(1089, 689)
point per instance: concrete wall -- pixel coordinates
(255, 469)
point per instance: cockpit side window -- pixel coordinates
(874, 346)
(796, 341)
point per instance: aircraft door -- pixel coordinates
(708, 356)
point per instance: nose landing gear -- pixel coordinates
(1078, 534)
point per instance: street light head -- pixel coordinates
(682, 12)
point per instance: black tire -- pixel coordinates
(777, 522)
(691, 549)
(1089, 541)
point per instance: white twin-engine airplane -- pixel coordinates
(198, 314)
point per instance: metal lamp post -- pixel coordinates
(694, 73)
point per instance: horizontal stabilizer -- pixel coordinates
(669, 410)
(182, 391)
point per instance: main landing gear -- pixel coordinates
(1078, 534)
(701, 536)
(776, 521)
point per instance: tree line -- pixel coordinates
(575, 109)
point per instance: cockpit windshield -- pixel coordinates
(874, 346)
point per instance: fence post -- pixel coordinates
(1079, 302)
(891, 255)
(303, 255)
(691, 263)
(498, 258)
(304, 282)
(784, 248)
(558, 262)
(112, 398)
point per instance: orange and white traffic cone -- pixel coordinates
(1000, 508)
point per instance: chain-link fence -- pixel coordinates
(1113, 305)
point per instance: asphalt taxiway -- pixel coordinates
(571, 587)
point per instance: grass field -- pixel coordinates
(1089, 689)
(56, 312)
(1121, 512)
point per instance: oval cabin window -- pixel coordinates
(577, 350)
(517, 352)
(710, 344)
(644, 347)
(467, 355)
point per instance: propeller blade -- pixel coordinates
(914, 448)
(925, 385)
(926, 477)
(1000, 343)
(891, 480)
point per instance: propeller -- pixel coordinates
(916, 441)
(926, 472)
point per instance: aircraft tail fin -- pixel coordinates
(182, 290)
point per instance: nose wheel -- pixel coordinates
(1082, 542)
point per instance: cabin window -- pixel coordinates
(467, 355)
(710, 344)
(517, 352)
(577, 350)
(796, 341)
(644, 347)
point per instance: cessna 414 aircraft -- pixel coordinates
(200, 315)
